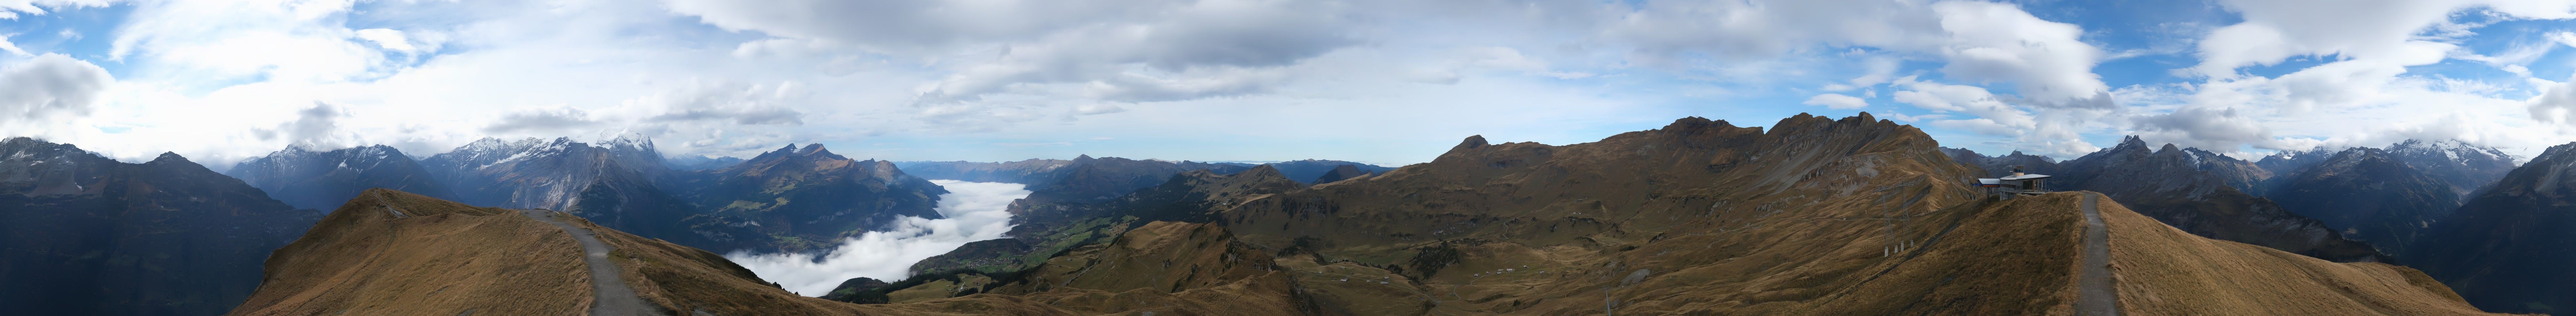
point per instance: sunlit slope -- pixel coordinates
(445, 258)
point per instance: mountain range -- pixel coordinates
(2507, 248)
(88, 235)
(1811, 215)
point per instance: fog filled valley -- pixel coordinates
(972, 211)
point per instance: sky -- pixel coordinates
(1388, 82)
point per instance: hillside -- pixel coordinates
(1310, 170)
(796, 200)
(2204, 194)
(2507, 248)
(1029, 172)
(88, 235)
(394, 253)
(615, 182)
(1815, 217)
(2369, 196)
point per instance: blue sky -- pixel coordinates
(1379, 81)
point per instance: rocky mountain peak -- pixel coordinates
(1472, 142)
(169, 157)
(2130, 142)
(1259, 171)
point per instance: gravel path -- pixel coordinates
(610, 296)
(2099, 296)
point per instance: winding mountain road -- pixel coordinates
(2098, 296)
(609, 293)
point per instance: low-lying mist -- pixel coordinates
(975, 211)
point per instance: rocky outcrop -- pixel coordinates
(321, 180)
(2369, 197)
(796, 200)
(88, 235)
(2507, 248)
(2198, 192)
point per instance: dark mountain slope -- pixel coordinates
(324, 179)
(2003, 165)
(613, 183)
(2176, 186)
(2508, 249)
(2467, 168)
(796, 200)
(1310, 169)
(1192, 196)
(1030, 172)
(1343, 172)
(88, 235)
(2369, 196)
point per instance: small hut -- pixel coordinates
(2017, 184)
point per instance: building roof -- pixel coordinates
(2026, 177)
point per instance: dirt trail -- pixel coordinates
(2098, 296)
(610, 295)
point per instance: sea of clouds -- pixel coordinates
(974, 210)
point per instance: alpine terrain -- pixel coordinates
(88, 235)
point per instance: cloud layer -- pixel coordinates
(1391, 81)
(974, 210)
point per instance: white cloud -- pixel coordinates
(1999, 42)
(37, 92)
(224, 41)
(12, 48)
(1981, 41)
(560, 119)
(974, 211)
(10, 9)
(1837, 101)
(387, 38)
(2556, 103)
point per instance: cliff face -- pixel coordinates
(321, 180)
(2369, 196)
(796, 200)
(2199, 193)
(2507, 248)
(88, 235)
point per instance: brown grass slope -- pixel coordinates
(446, 258)
(2165, 271)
